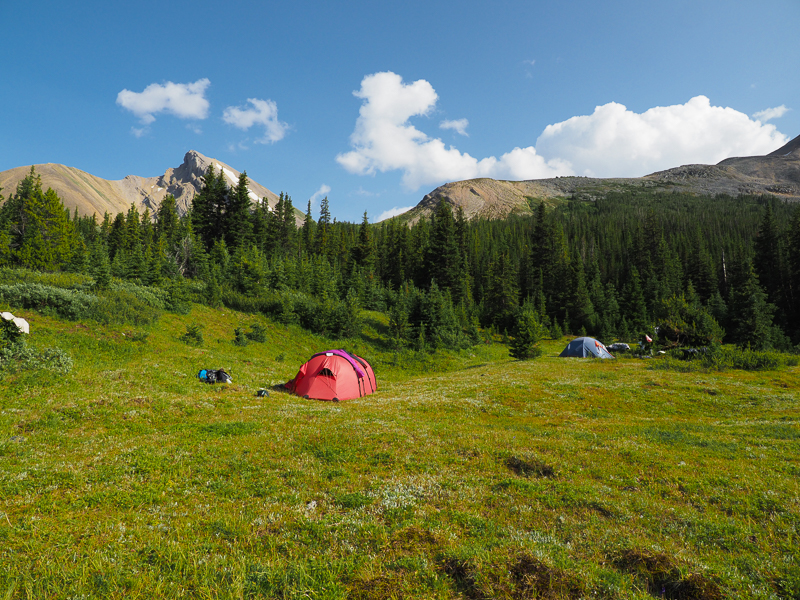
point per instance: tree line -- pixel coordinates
(693, 270)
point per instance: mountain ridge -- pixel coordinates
(91, 194)
(777, 173)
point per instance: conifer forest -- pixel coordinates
(693, 271)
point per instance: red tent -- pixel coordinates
(334, 375)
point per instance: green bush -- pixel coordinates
(330, 316)
(123, 307)
(152, 296)
(75, 281)
(239, 337)
(724, 358)
(527, 333)
(21, 357)
(257, 333)
(193, 335)
(67, 304)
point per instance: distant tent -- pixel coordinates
(334, 375)
(21, 323)
(584, 347)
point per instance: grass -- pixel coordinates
(467, 475)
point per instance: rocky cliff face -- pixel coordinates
(777, 173)
(92, 194)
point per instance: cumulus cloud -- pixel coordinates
(459, 126)
(184, 100)
(616, 142)
(611, 142)
(771, 113)
(257, 112)
(384, 140)
(392, 212)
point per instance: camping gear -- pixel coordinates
(584, 347)
(214, 376)
(334, 375)
(21, 323)
(619, 347)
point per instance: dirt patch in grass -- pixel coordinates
(535, 579)
(663, 578)
(413, 539)
(376, 588)
(529, 467)
(522, 577)
(464, 575)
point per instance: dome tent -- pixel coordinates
(583, 347)
(334, 375)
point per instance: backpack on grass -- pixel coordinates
(214, 376)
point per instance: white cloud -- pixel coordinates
(260, 112)
(616, 142)
(383, 140)
(459, 126)
(392, 212)
(184, 100)
(320, 193)
(771, 113)
(611, 142)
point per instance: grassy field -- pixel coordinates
(467, 475)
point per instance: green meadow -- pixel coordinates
(467, 475)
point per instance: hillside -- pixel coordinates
(91, 194)
(466, 475)
(777, 173)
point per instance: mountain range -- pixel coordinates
(777, 173)
(91, 194)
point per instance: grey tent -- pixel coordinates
(583, 347)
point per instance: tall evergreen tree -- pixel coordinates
(750, 313)
(238, 223)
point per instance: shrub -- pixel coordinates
(68, 304)
(527, 333)
(123, 307)
(257, 333)
(239, 337)
(723, 358)
(193, 335)
(152, 296)
(16, 355)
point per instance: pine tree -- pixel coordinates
(443, 259)
(167, 225)
(237, 221)
(308, 236)
(750, 313)
(323, 245)
(526, 335)
(767, 259)
(364, 251)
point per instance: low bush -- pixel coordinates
(257, 333)
(329, 316)
(724, 358)
(64, 303)
(75, 281)
(123, 307)
(152, 296)
(193, 335)
(16, 355)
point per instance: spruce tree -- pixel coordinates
(238, 223)
(526, 334)
(750, 313)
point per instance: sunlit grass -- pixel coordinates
(467, 474)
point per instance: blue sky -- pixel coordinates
(375, 104)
